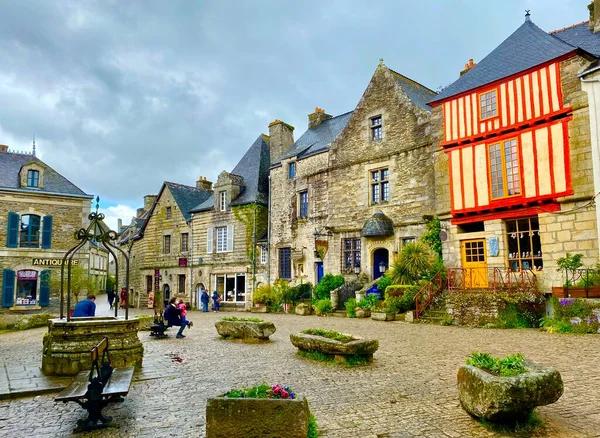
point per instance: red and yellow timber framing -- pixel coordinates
(530, 109)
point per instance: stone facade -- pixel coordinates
(27, 267)
(339, 184)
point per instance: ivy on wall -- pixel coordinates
(254, 218)
(431, 236)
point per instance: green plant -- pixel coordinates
(415, 259)
(270, 296)
(80, 282)
(328, 283)
(515, 315)
(505, 367)
(316, 356)
(350, 306)
(570, 262)
(254, 217)
(329, 334)
(383, 284)
(431, 236)
(401, 303)
(262, 391)
(233, 318)
(322, 307)
(447, 320)
(313, 430)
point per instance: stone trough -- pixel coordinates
(246, 330)
(507, 399)
(332, 347)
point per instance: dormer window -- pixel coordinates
(488, 107)
(223, 201)
(33, 178)
(376, 128)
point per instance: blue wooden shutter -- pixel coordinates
(12, 236)
(44, 298)
(8, 288)
(47, 232)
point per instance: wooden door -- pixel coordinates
(474, 263)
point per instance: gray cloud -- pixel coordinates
(124, 95)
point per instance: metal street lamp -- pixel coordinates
(382, 266)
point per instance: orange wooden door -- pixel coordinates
(474, 263)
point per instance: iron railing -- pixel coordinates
(426, 295)
(581, 279)
(491, 279)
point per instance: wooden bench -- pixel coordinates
(95, 389)
(158, 327)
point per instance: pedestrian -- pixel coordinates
(123, 303)
(204, 298)
(183, 312)
(216, 301)
(173, 317)
(111, 297)
(85, 307)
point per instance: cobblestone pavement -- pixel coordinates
(409, 391)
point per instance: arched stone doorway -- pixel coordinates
(381, 262)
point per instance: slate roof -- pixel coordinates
(318, 139)
(378, 225)
(11, 163)
(417, 93)
(187, 197)
(253, 169)
(580, 35)
(527, 47)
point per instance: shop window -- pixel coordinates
(27, 282)
(351, 255)
(285, 263)
(33, 178)
(376, 128)
(524, 244)
(380, 186)
(231, 287)
(504, 171)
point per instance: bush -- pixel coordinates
(33, 321)
(508, 366)
(571, 316)
(520, 315)
(383, 284)
(412, 264)
(350, 306)
(270, 296)
(402, 303)
(322, 307)
(397, 290)
(328, 283)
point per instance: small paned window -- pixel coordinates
(376, 128)
(285, 263)
(222, 201)
(167, 244)
(263, 254)
(505, 174)
(221, 239)
(303, 204)
(380, 186)
(33, 178)
(475, 251)
(184, 242)
(292, 170)
(524, 244)
(181, 283)
(169, 212)
(351, 255)
(487, 105)
(30, 231)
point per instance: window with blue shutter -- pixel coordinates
(47, 232)
(12, 236)
(8, 288)
(44, 299)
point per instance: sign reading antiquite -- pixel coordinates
(52, 262)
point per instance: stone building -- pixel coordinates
(354, 188)
(98, 267)
(514, 175)
(229, 227)
(159, 244)
(40, 211)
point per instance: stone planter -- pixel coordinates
(245, 329)
(363, 313)
(259, 308)
(331, 347)
(507, 399)
(256, 417)
(303, 309)
(383, 316)
(67, 345)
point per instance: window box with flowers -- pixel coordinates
(264, 410)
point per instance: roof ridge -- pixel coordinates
(552, 32)
(183, 185)
(406, 78)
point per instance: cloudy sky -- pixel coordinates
(123, 95)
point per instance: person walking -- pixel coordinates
(216, 301)
(85, 307)
(110, 294)
(204, 299)
(173, 317)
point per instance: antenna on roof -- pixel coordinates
(527, 15)
(33, 152)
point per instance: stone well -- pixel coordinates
(67, 345)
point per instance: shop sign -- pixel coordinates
(182, 261)
(27, 274)
(52, 262)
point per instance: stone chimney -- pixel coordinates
(594, 8)
(3, 148)
(281, 137)
(316, 118)
(139, 212)
(148, 201)
(203, 183)
(468, 66)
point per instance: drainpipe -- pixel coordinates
(191, 251)
(253, 254)
(269, 236)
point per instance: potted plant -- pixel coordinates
(262, 410)
(383, 313)
(363, 308)
(578, 283)
(506, 390)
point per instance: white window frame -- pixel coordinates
(263, 255)
(223, 201)
(221, 237)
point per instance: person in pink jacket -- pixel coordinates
(182, 308)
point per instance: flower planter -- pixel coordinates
(303, 309)
(256, 417)
(339, 350)
(383, 316)
(259, 308)
(507, 399)
(576, 292)
(363, 313)
(245, 329)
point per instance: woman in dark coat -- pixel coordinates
(216, 301)
(173, 317)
